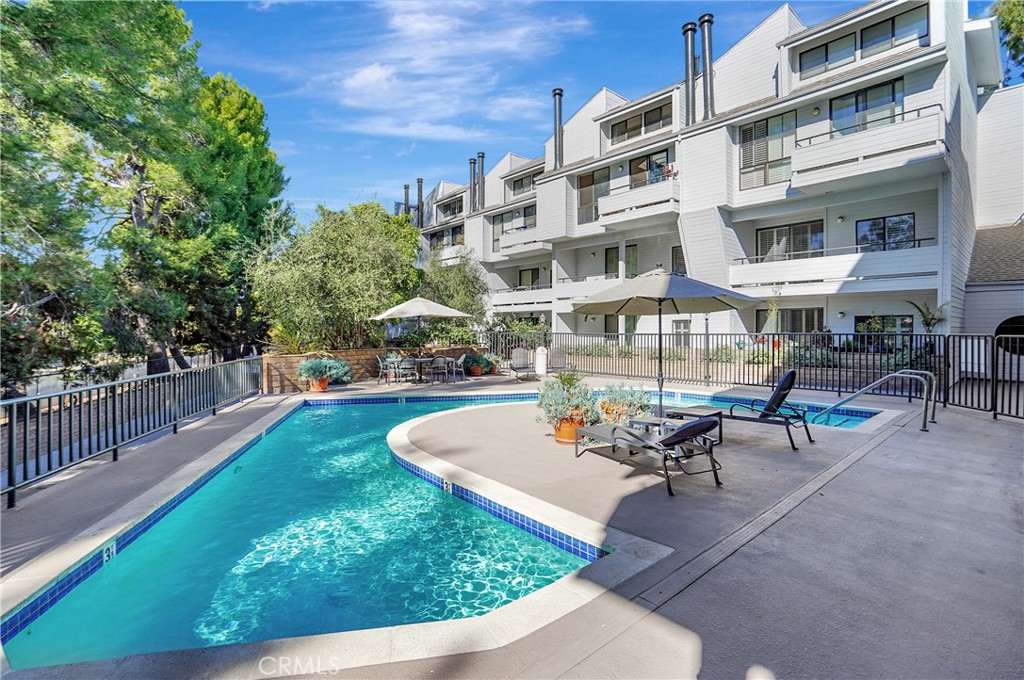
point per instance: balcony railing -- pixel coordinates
(923, 112)
(906, 244)
(592, 277)
(517, 289)
(587, 214)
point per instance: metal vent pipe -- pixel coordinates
(557, 94)
(405, 206)
(709, 66)
(419, 202)
(471, 195)
(481, 196)
(689, 30)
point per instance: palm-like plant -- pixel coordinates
(930, 318)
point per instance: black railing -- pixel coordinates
(979, 372)
(44, 434)
(905, 244)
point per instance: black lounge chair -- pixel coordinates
(775, 411)
(680, 445)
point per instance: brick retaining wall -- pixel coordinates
(280, 370)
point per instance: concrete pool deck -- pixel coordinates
(881, 552)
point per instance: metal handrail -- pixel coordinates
(517, 289)
(804, 142)
(929, 391)
(822, 252)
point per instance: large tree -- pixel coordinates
(1010, 14)
(321, 286)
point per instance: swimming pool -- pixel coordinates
(842, 417)
(313, 529)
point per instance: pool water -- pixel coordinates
(315, 529)
(845, 418)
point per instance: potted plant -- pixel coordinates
(319, 372)
(475, 363)
(875, 325)
(620, 404)
(494, 361)
(930, 318)
(567, 403)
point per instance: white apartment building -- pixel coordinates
(843, 169)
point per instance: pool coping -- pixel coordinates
(628, 556)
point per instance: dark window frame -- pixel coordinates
(828, 64)
(630, 128)
(813, 252)
(891, 21)
(860, 114)
(752, 167)
(786, 317)
(681, 259)
(886, 244)
(608, 252)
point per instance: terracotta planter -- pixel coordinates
(494, 370)
(475, 370)
(613, 413)
(318, 384)
(776, 343)
(565, 431)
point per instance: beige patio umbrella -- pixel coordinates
(659, 291)
(420, 307)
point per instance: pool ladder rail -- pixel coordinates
(926, 378)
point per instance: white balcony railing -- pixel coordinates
(655, 196)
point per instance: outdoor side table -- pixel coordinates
(699, 412)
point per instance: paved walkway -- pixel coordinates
(892, 553)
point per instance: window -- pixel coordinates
(458, 236)
(895, 232)
(630, 324)
(436, 240)
(791, 242)
(523, 184)
(529, 217)
(451, 209)
(867, 109)
(678, 263)
(631, 262)
(903, 28)
(611, 323)
(648, 169)
(681, 331)
(792, 320)
(765, 148)
(894, 323)
(592, 186)
(655, 119)
(528, 278)
(834, 54)
(627, 129)
(611, 263)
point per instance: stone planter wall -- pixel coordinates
(280, 370)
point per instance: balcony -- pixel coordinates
(505, 299)
(903, 265)
(644, 202)
(584, 286)
(912, 144)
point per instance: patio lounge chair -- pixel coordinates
(556, 360)
(775, 411)
(385, 369)
(679, 446)
(520, 364)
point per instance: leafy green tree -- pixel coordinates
(460, 284)
(321, 286)
(1010, 14)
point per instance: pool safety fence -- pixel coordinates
(43, 435)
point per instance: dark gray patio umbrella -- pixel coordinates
(659, 291)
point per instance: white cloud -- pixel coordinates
(285, 147)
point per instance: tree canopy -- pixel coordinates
(114, 139)
(1010, 14)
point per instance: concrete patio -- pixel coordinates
(881, 552)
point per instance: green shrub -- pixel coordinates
(620, 403)
(473, 359)
(812, 357)
(335, 370)
(722, 355)
(909, 358)
(759, 357)
(668, 354)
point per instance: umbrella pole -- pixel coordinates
(707, 352)
(661, 374)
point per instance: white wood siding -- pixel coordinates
(989, 304)
(1000, 159)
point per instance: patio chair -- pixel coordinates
(459, 367)
(407, 368)
(520, 363)
(680, 446)
(775, 410)
(385, 369)
(438, 368)
(556, 360)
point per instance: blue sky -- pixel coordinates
(362, 98)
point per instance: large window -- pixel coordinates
(648, 169)
(903, 28)
(523, 184)
(895, 232)
(436, 240)
(792, 321)
(892, 323)
(631, 262)
(528, 278)
(791, 242)
(611, 323)
(627, 129)
(451, 209)
(765, 148)
(592, 186)
(458, 236)
(529, 217)
(658, 118)
(834, 54)
(678, 263)
(874, 107)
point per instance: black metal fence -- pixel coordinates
(975, 371)
(44, 434)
